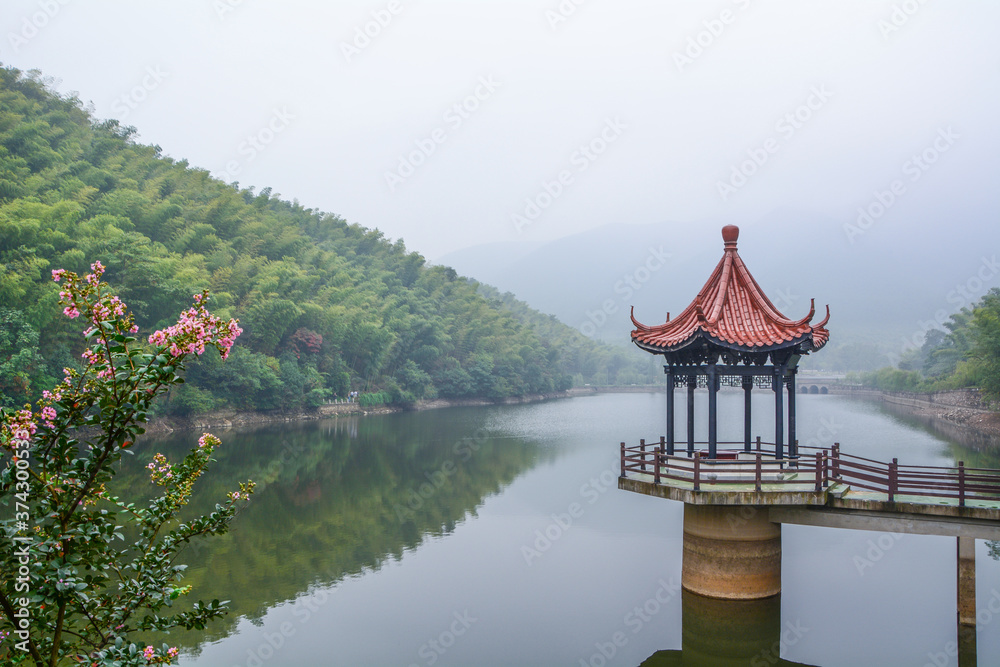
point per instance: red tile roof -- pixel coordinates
(731, 310)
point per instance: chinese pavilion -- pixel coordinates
(732, 334)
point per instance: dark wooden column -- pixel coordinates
(692, 383)
(713, 410)
(793, 445)
(747, 409)
(670, 409)
(779, 412)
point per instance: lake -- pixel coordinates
(498, 536)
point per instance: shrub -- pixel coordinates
(76, 593)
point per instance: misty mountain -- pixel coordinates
(884, 287)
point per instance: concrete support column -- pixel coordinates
(966, 601)
(731, 552)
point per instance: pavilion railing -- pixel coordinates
(815, 468)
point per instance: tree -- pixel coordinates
(73, 592)
(21, 363)
(986, 341)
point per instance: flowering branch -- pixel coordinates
(71, 444)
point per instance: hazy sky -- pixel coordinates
(442, 122)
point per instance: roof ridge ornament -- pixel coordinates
(730, 235)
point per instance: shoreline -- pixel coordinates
(227, 419)
(960, 413)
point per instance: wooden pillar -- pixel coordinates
(966, 601)
(713, 410)
(692, 383)
(793, 444)
(779, 412)
(747, 408)
(670, 409)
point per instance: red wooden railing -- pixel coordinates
(815, 467)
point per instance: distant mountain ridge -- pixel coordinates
(881, 289)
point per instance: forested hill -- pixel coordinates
(327, 307)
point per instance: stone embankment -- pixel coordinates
(965, 407)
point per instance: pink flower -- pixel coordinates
(71, 312)
(57, 274)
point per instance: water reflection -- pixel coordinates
(724, 633)
(978, 450)
(335, 499)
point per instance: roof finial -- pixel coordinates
(730, 234)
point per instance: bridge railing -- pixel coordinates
(814, 468)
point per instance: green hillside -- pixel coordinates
(327, 307)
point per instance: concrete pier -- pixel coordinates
(731, 553)
(967, 581)
(966, 552)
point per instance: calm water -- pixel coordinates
(445, 538)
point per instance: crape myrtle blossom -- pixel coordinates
(21, 426)
(149, 653)
(88, 296)
(76, 436)
(195, 328)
